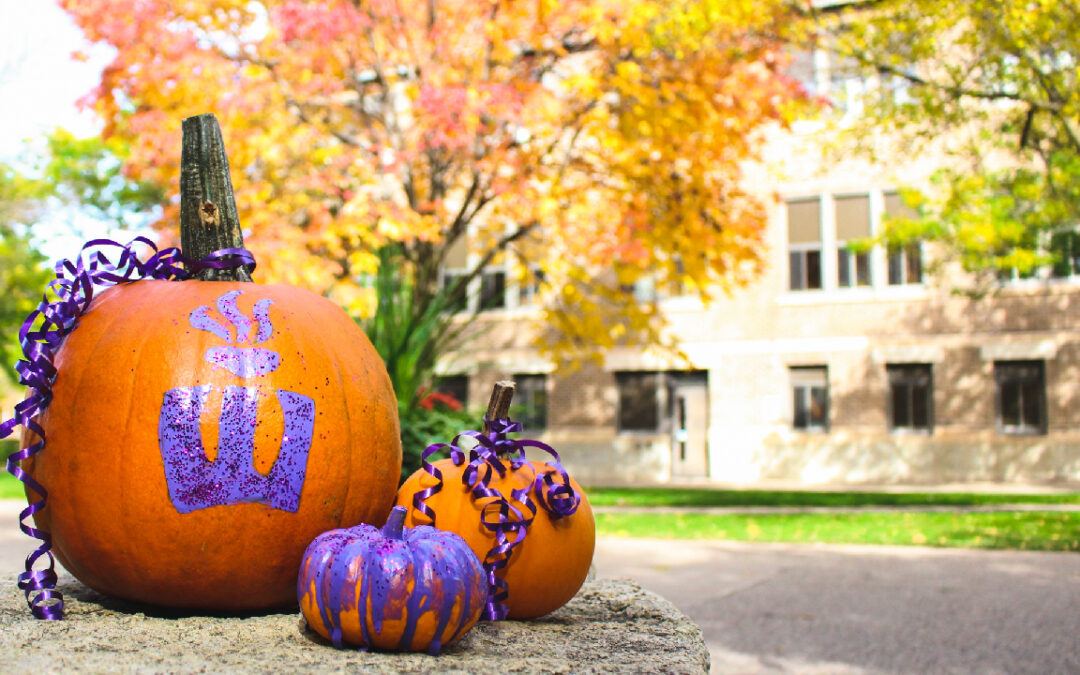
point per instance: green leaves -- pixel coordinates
(993, 90)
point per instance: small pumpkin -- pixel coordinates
(399, 588)
(528, 521)
(200, 433)
(548, 567)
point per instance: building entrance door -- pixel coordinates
(689, 405)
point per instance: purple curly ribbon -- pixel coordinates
(508, 522)
(73, 289)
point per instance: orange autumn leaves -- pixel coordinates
(599, 141)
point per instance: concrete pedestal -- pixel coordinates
(610, 626)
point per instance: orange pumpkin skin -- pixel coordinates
(114, 523)
(547, 568)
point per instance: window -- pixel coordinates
(530, 402)
(493, 289)
(455, 386)
(804, 243)
(905, 262)
(1065, 247)
(911, 397)
(638, 401)
(459, 302)
(529, 290)
(1020, 397)
(905, 265)
(810, 390)
(852, 224)
(643, 290)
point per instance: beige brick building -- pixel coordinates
(833, 367)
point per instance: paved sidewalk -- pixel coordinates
(784, 608)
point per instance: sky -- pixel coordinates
(40, 83)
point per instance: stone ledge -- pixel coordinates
(610, 626)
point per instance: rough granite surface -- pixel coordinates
(610, 626)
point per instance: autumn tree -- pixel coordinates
(582, 144)
(991, 87)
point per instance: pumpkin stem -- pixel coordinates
(208, 219)
(394, 524)
(499, 405)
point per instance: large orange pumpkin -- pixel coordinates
(548, 565)
(202, 433)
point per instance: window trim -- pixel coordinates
(890, 409)
(796, 373)
(803, 249)
(1041, 427)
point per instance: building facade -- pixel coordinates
(837, 366)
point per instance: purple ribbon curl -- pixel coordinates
(508, 518)
(72, 290)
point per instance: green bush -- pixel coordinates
(420, 427)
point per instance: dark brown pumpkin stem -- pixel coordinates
(499, 405)
(208, 219)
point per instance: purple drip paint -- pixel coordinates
(194, 482)
(361, 567)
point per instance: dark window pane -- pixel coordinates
(862, 269)
(1030, 403)
(492, 287)
(819, 406)
(813, 269)
(802, 413)
(795, 259)
(843, 267)
(920, 406)
(913, 257)
(901, 401)
(1010, 403)
(637, 401)
(896, 268)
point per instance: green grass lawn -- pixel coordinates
(1031, 530)
(10, 488)
(1025, 530)
(660, 496)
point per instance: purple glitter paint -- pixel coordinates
(227, 306)
(244, 361)
(195, 482)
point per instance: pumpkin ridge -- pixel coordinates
(125, 448)
(348, 419)
(118, 458)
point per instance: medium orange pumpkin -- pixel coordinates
(550, 564)
(202, 433)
